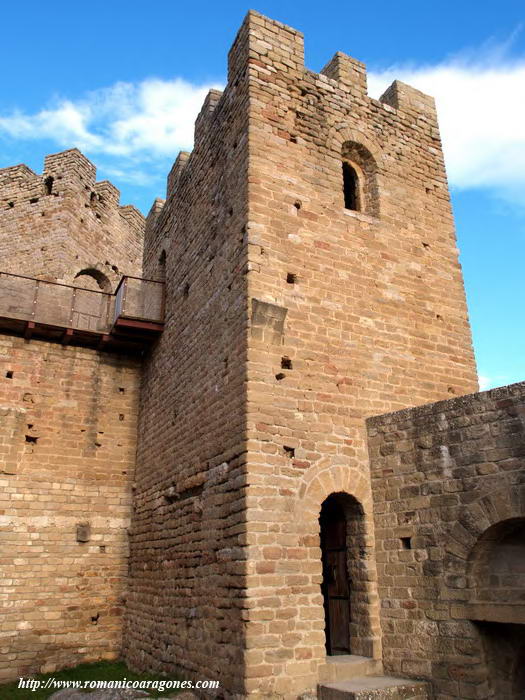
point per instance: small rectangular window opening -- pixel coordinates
(406, 542)
(291, 278)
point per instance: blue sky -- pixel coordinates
(123, 82)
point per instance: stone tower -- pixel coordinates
(312, 281)
(65, 227)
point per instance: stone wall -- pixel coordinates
(67, 456)
(67, 422)
(187, 568)
(350, 313)
(63, 222)
(448, 483)
(354, 312)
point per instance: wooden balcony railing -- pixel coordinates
(131, 317)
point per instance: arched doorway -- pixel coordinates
(336, 584)
(346, 560)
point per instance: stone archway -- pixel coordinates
(487, 555)
(496, 603)
(352, 490)
(93, 278)
(496, 572)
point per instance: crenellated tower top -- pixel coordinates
(65, 226)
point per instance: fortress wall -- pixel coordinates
(56, 224)
(67, 427)
(294, 311)
(67, 456)
(448, 482)
(353, 313)
(187, 591)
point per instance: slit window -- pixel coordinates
(48, 185)
(350, 187)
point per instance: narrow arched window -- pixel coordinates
(350, 187)
(359, 170)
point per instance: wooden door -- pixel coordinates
(336, 584)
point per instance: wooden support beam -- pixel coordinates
(128, 324)
(68, 335)
(30, 327)
(102, 342)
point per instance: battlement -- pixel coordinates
(65, 173)
(264, 47)
(267, 77)
(207, 109)
(269, 55)
(347, 71)
(64, 226)
(70, 166)
(176, 172)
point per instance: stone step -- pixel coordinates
(345, 667)
(375, 688)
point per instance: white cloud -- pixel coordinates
(481, 108)
(139, 121)
(135, 127)
(484, 382)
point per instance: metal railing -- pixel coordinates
(62, 305)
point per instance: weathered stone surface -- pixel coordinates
(290, 320)
(376, 688)
(67, 429)
(465, 562)
(110, 694)
(312, 281)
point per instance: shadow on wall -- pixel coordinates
(91, 278)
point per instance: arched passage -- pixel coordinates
(496, 604)
(353, 486)
(91, 278)
(497, 565)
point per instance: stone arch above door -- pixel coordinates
(347, 482)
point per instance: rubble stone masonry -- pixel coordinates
(448, 483)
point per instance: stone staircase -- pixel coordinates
(359, 678)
